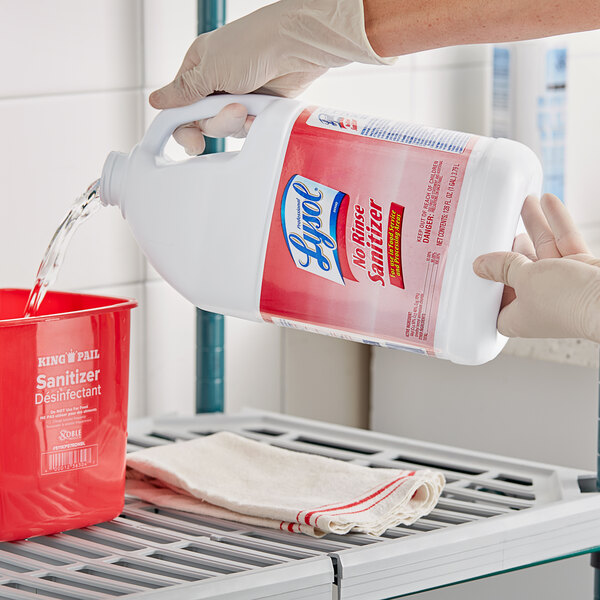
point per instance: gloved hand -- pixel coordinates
(279, 49)
(553, 279)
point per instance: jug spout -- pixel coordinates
(113, 178)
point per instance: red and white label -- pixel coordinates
(361, 228)
(68, 390)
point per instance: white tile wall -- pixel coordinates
(384, 91)
(54, 148)
(520, 407)
(254, 364)
(453, 97)
(169, 29)
(583, 130)
(170, 348)
(69, 46)
(326, 378)
(585, 43)
(455, 56)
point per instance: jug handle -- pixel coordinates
(168, 120)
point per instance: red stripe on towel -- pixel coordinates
(368, 507)
(308, 515)
(330, 505)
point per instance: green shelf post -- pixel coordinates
(210, 327)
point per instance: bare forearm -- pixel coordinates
(396, 27)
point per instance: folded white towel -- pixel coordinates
(229, 476)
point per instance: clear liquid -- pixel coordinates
(87, 204)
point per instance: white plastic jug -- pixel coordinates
(328, 221)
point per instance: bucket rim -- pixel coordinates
(116, 304)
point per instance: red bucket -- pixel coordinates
(63, 412)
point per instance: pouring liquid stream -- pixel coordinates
(87, 204)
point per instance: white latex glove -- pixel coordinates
(553, 280)
(279, 49)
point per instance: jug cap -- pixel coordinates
(113, 178)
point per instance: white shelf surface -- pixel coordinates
(496, 514)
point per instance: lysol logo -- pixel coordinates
(309, 220)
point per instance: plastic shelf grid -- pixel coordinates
(495, 514)
(135, 557)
